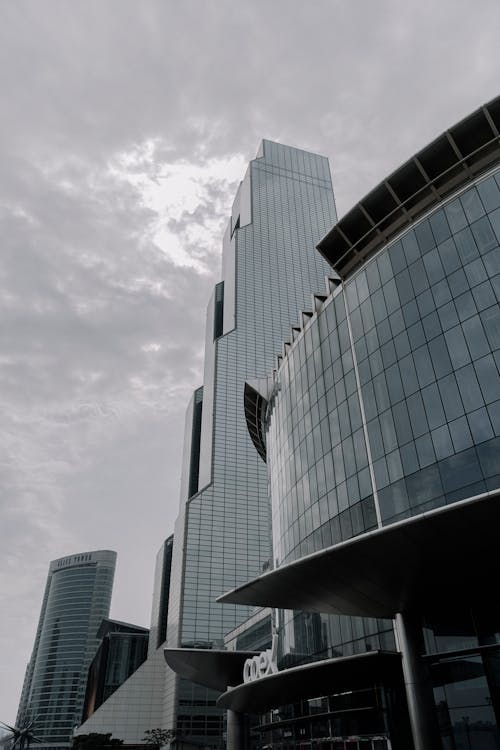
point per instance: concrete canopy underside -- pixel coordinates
(311, 680)
(420, 562)
(208, 667)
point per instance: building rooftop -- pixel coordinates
(451, 161)
(117, 626)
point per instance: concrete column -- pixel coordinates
(418, 686)
(236, 736)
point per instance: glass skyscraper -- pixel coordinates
(380, 426)
(223, 534)
(136, 705)
(77, 597)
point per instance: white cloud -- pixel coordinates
(174, 192)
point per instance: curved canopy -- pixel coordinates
(311, 680)
(207, 667)
(429, 558)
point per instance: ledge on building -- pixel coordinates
(211, 668)
(429, 559)
(456, 158)
(311, 680)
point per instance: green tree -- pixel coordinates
(159, 737)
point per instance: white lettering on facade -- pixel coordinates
(261, 664)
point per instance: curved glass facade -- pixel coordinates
(77, 597)
(426, 328)
(310, 636)
(321, 489)
(388, 403)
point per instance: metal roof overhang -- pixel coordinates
(208, 667)
(311, 681)
(117, 626)
(456, 158)
(430, 559)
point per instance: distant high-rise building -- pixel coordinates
(77, 597)
(124, 647)
(134, 705)
(269, 271)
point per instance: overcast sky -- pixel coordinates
(125, 127)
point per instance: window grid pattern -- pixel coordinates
(304, 637)
(425, 324)
(77, 598)
(317, 454)
(426, 328)
(227, 525)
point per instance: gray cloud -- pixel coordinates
(101, 326)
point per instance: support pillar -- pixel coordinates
(418, 685)
(236, 734)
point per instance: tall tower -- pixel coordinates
(76, 599)
(283, 207)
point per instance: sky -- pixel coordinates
(125, 127)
